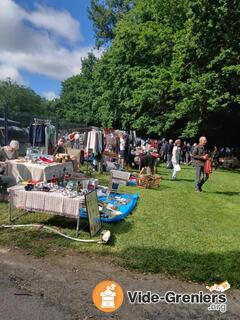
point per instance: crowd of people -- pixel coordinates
(142, 155)
(165, 148)
(180, 151)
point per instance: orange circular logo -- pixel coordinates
(108, 296)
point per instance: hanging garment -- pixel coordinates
(95, 141)
(46, 140)
(133, 138)
(100, 142)
(37, 134)
(91, 141)
(50, 140)
(82, 138)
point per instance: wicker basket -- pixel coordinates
(61, 157)
(148, 181)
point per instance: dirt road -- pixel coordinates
(57, 287)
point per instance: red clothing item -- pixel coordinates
(208, 166)
(153, 144)
(46, 160)
(72, 137)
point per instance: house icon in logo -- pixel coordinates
(108, 297)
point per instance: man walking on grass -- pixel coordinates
(200, 155)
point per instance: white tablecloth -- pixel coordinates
(50, 202)
(32, 171)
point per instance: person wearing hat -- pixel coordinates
(9, 152)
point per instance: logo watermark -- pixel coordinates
(216, 301)
(108, 296)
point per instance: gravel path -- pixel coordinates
(57, 287)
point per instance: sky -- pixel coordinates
(42, 42)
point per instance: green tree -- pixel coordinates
(78, 95)
(22, 102)
(205, 70)
(171, 68)
(105, 14)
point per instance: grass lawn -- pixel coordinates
(175, 230)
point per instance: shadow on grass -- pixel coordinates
(157, 189)
(227, 193)
(118, 228)
(61, 222)
(164, 173)
(186, 167)
(115, 228)
(207, 268)
(186, 180)
(228, 170)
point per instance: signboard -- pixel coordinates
(121, 176)
(93, 212)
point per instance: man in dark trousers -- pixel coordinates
(200, 155)
(169, 149)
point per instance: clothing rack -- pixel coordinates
(39, 122)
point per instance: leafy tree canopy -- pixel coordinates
(21, 102)
(171, 69)
(105, 14)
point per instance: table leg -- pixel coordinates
(77, 229)
(10, 206)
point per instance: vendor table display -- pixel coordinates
(22, 170)
(57, 201)
(114, 207)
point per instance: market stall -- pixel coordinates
(54, 202)
(22, 170)
(48, 183)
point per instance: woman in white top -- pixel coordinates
(122, 150)
(176, 153)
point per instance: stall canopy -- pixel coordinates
(15, 132)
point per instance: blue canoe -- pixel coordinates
(125, 209)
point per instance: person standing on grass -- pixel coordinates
(190, 153)
(215, 157)
(184, 152)
(200, 155)
(169, 149)
(176, 155)
(122, 150)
